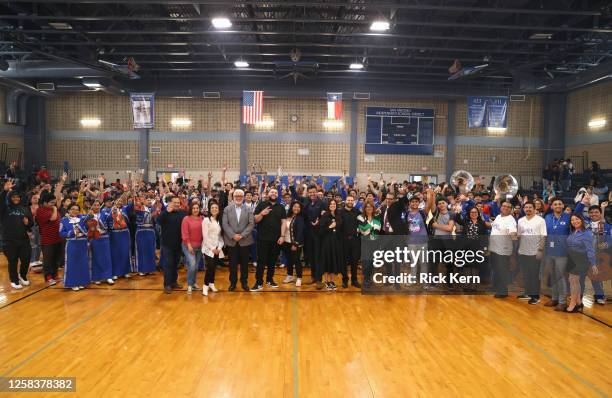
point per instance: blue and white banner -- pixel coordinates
(142, 110)
(487, 111)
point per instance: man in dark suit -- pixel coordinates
(238, 223)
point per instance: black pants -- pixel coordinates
(530, 266)
(17, 251)
(352, 252)
(52, 257)
(267, 252)
(312, 245)
(211, 264)
(501, 273)
(172, 255)
(293, 259)
(239, 255)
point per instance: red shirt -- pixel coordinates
(49, 230)
(191, 231)
(43, 175)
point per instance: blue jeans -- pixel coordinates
(598, 290)
(192, 261)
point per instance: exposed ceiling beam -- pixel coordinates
(293, 33)
(531, 28)
(298, 44)
(371, 5)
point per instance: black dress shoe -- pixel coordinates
(500, 296)
(177, 286)
(231, 288)
(167, 289)
(345, 284)
(356, 284)
(245, 287)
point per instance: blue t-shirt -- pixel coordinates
(417, 230)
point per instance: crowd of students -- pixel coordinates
(99, 231)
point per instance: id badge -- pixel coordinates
(552, 244)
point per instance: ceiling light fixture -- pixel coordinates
(356, 66)
(496, 129)
(221, 23)
(541, 36)
(241, 64)
(91, 122)
(60, 25)
(333, 124)
(597, 123)
(178, 122)
(379, 26)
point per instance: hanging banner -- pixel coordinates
(487, 111)
(142, 110)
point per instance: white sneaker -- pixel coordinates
(16, 286)
(288, 279)
(115, 277)
(282, 266)
(204, 290)
(141, 273)
(196, 287)
(298, 282)
(24, 282)
(212, 288)
(110, 281)
(81, 287)
(127, 275)
(189, 289)
(51, 282)
(76, 288)
(97, 282)
(599, 301)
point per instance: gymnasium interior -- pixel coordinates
(72, 71)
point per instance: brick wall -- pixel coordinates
(584, 105)
(216, 124)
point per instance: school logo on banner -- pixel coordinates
(487, 111)
(142, 110)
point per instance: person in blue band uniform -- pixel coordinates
(77, 272)
(145, 235)
(120, 239)
(101, 263)
(581, 256)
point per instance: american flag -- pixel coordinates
(334, 106)
(252, 107)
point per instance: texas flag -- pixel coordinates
(334, 106)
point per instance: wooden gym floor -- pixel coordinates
(131, 340)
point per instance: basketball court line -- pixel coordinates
(26, 296)
(55, 287)
(55, 339)
(533, 345)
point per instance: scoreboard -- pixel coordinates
(399, 130)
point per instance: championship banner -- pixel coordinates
(487, 111)
(142, 110)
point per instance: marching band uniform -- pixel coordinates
(120, 240)
(77, 271)
(145, 239)
(101, 263)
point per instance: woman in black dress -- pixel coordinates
(331, 251)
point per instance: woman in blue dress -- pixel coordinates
(77, 273)
(120, 239)
(145, 235)
(97, 232)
